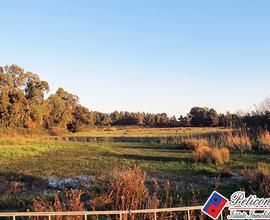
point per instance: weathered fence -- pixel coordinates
(118, 214)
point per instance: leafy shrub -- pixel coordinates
(78, 127)
(30, 124)
(58, 131)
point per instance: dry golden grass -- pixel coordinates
(239, 141)
(202, 154)
(193, 143)
(206, 154)
(23, 133)
(220, 155)
(20, 140)
(264, 141)
(264, 169)
(129, 191)
(69, 201)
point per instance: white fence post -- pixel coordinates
(155, 214)
(120, 216)
(188, 214)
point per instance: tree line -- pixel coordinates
(23, 104)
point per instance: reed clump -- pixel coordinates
(194, 143)
(206, 154)
(128, 190)
(240, 141)
(70, 200)
(263, 141)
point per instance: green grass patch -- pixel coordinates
(34, 160)
(63, 159)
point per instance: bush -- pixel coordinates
(260, 180)
(30, 124)
(206, 154)
(80, 127)
(58, 131)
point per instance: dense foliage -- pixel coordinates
(23, 104)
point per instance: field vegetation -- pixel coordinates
(191, 169)
(23, 105)
(136, 131)
(133, 159)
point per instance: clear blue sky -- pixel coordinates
(144, 55)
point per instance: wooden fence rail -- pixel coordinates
(87, 214)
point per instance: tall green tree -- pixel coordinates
(60, 109)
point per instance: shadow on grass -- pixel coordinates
(163, 148)
(31, 183)
(148, 158)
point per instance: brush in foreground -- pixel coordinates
(260, 180)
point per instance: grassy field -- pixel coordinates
(34, 161)
(144, 132)
(63, 159)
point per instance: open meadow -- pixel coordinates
(37, 167)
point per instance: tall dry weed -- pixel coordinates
(69, 201)
(129, 191)
(194, 143)
(220, 155)
(206, 154)
(240, 141)
(263, 140)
